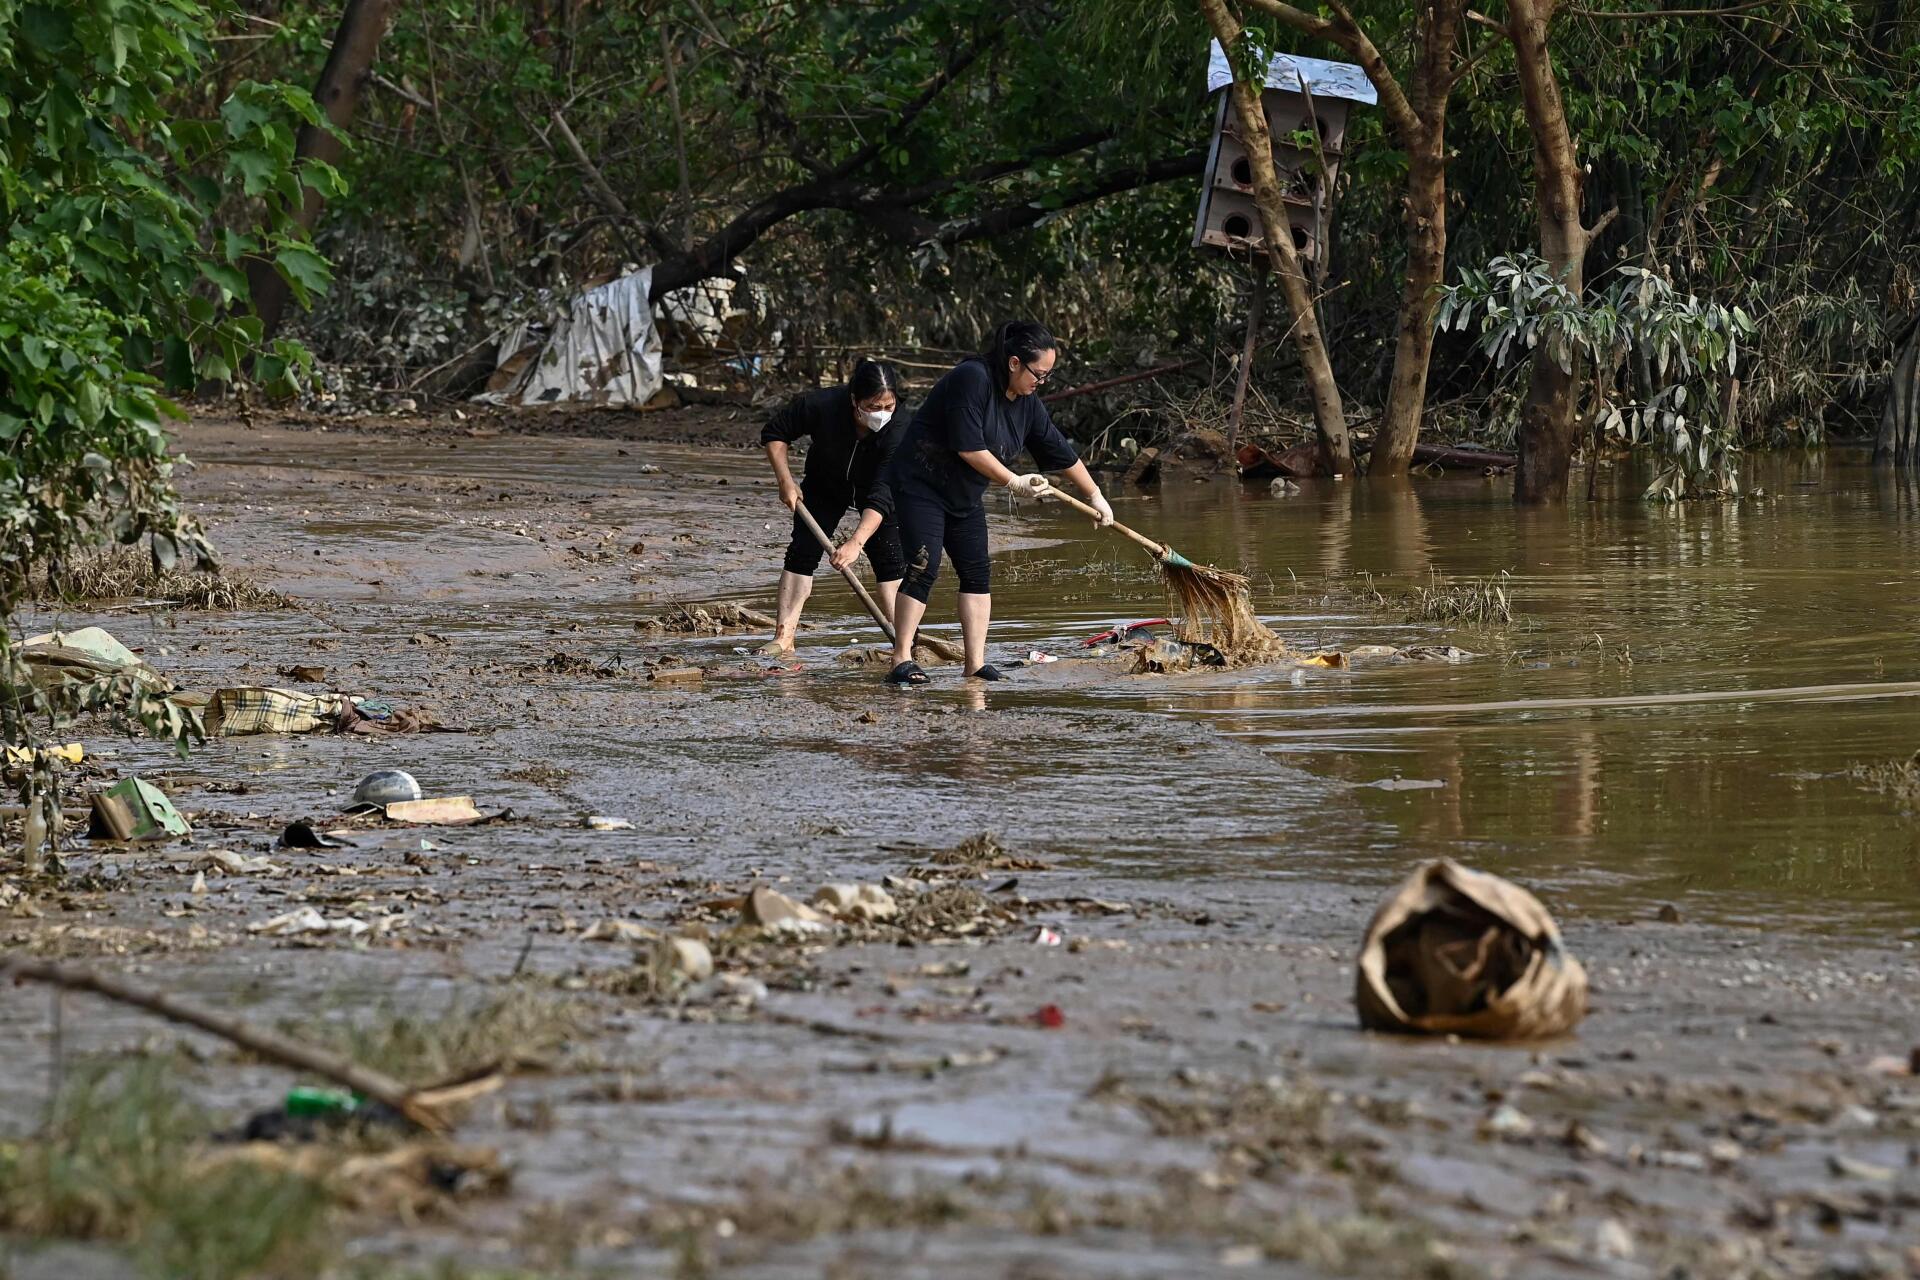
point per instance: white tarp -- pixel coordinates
(1324, 79)
(605, 350)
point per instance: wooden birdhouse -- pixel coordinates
(1307, 96)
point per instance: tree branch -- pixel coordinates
(1630, 15)
(1346, 33)
(610, 198)
(956, 67)
(270, 1045)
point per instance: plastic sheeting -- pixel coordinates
(605, 350)
(1325, 79)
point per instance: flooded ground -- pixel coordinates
(1672, 721)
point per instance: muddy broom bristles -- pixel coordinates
(1213, 604)
(1215, 608)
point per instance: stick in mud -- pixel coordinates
(271, 1045)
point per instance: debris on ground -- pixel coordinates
(407, 1182)
(1460, 952)
(718, 619)
(383, 787)
(599, 822)
(859, 902)
(135, 809)
(443, 811)
(309, 920)
(772, 910)
(85, 655)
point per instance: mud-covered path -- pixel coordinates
(893, 1104)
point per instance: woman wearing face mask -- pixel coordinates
(851, 445)
(976, 422)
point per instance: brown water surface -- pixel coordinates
(1678, 713)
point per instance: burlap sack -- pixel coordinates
(1459, 952)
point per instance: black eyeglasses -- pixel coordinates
(1039, 379)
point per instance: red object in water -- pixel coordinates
(1050, 1017)
(1115, 633)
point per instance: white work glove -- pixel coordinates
(1030, 486)
(1100, 504)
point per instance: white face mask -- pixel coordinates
(873, 421)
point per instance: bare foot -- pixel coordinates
(775, 648)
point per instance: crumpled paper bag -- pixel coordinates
(1459, 952)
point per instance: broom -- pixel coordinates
(945, 649)
(1214, 602)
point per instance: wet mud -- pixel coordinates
(1119, 1039)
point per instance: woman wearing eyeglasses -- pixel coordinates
(975, 423)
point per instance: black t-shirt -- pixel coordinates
(843, 461)
(963, 413)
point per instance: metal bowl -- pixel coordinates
(383, 787)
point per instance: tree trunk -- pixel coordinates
(1423, 137)
(355, 43)
(1426, 222)
(1899, 440)
(1549, 417)
(1329, 415)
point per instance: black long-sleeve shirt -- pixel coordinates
(843, 461)
(965, 413)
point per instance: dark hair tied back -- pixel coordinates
(871, 377)
(1022, 340)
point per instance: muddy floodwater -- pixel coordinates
(1132, 1051)
(1678, 714)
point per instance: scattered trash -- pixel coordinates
(677, 675)
(1121, 632)
(861, 902)
(1283, 487)
(304, 674)
(1435, 653)
(309, 920)
(1612, 1240)
(1047, 937)
(234, 864)
(383, 787)
(595, 822)
(1037, 656)
(1169, 657)
(1050, 1017)
(1461, 952)
(134, 809)
(1847, 1167)
(769, 908)
(446, 811)
(301, 835)
(708, 620)
(686, 959)
(22, 757)
(232, 713)
(1507, 1121)
(60, 657)
(199, 887)
(618, 931)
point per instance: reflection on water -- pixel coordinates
(1680, 714)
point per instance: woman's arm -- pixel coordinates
(983, 461)
(849, 551)
(789, 489)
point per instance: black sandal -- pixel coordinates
(907, 673)
(986, 672)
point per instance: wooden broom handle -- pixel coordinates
(853, 579)
(1159, 552)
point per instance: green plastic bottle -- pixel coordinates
(307, 1100)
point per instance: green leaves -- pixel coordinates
(1678, 345)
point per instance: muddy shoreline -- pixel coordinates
(895, 1104)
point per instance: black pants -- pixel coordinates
(804, 551)
(926, 529)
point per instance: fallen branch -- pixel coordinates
(270, 1045)
(1091, 387)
